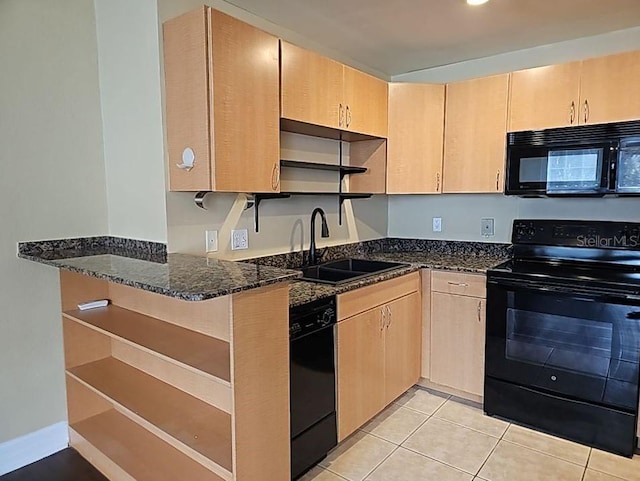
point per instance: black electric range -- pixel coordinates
(563, 331)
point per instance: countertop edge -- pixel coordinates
(192, 297)
(321, 291)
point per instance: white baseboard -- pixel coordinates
(32, 447)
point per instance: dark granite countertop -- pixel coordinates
(182, 276)
(146, 265)
(302, 292)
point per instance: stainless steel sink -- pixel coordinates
(347, 270)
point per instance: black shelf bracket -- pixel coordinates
(253, 200)
(345, 196)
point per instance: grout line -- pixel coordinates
(335, 474)
(546, 453)
(471, 429)
(492, 451)
(501, 438)
(438, 460)
(380, 463)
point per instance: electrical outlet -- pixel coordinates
(437, 224)
(239, 239)
(211, 239)
(487, 227)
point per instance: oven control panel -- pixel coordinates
(589, 234)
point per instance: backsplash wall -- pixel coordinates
(411, 216)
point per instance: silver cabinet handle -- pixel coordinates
(572, 112)
(458, 284)
(275, 176)
(586, 111)
(341, 116)
(498, 180)
(389, 315)
(383, 319)
(479, 311)
(438, 182)
(348, 116)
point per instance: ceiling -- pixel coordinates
(401, 36)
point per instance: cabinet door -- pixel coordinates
(365, 98)
(609, 90)
(403, 345)
(457, 342)
(475, 135)
(416, 136)
(545, 97)
(311, 87)
(246, 93)
(361, 395)
(186, 80)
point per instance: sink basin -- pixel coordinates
(363, 265)
(346, 270)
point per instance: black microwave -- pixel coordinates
(593, 160)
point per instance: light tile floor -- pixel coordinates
(428, 436)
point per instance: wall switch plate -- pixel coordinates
(437, 224)
(211, 240)
(239, 239)
(487, 227)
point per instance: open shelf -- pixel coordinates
(111, 439)
(343, 169)
(205, 430)
(190, 348)
(313, 130)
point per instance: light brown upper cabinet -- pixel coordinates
(609, 89)
(319, 91)
(545, 97)
(365, 100)
(311, 87)
(222, 104)
(415, 141)
(475, 135)
(594, 91)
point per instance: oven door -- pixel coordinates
(579, 344)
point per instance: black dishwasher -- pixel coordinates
(312, 383)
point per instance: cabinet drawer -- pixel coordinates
(360, 300)
(473, 285)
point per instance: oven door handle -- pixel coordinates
(591, 294)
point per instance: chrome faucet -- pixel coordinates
(313, 256)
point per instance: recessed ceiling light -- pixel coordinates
(476, 2)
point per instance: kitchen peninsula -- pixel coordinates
(185, 374)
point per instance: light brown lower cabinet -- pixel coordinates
(457, 332)
(378, 354)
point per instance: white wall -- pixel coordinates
(52, 185)
(411, 216)
(129, 67)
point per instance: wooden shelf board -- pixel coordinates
(304, 128)
(199, 351)
(205, 429)
(343, 169)
(133, 449)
